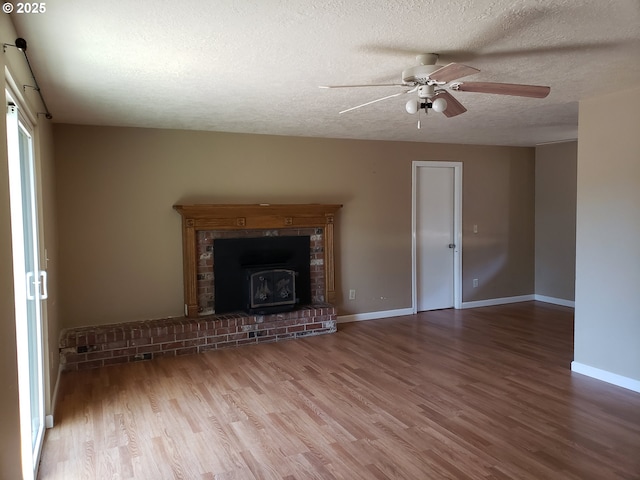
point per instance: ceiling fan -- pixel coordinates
(430, 80)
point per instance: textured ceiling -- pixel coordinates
(255, 66)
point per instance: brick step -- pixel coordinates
(93, 347)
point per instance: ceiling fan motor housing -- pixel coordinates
(418, 74)
(426, 91)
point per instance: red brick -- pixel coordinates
(120, 352)
(277, 331)
(114, 345)
(99, 338)
(139, 341)
(206, 333)
(163, 339)
(186, 336)
(238, 336)
(149, 348)
(139, 333)
(159, 332)
(217, 339)
(314, 326)
(191, 327)
(206, 325)
(99, 355)
(172, 346)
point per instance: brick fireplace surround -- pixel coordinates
(201, 329)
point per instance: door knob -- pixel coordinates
(452, 245)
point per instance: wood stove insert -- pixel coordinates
(261, 275)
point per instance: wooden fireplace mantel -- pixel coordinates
(252, 217)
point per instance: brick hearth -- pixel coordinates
(91, 347)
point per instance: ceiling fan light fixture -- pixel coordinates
(439, 105)
(412, 106)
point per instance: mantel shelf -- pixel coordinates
(251, 217)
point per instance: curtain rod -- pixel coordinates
(21, 44)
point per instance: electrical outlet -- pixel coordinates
(352, 294)
(475, 282)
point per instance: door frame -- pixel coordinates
(30, 455)
(457, 229)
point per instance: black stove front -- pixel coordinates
(269, 289)
(261, 275)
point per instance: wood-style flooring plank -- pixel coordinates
(481, 394)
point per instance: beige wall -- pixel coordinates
(498, 197)
(607, 317)
(9, 420)
(120, 243)
(556, 220)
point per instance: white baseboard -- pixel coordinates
(358, 317)
(480, 303)
(498, 301)
(605, 376)
(555, 301)
(49, 419)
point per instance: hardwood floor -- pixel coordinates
(452, 394)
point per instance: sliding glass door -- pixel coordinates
(30, 285)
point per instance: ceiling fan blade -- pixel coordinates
(454, 107)
(452, 72)
(368, 85)
(378, 100)
(533, 91)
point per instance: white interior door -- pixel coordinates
(436, 235)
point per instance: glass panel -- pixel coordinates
(27, 288)
(32, 278)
